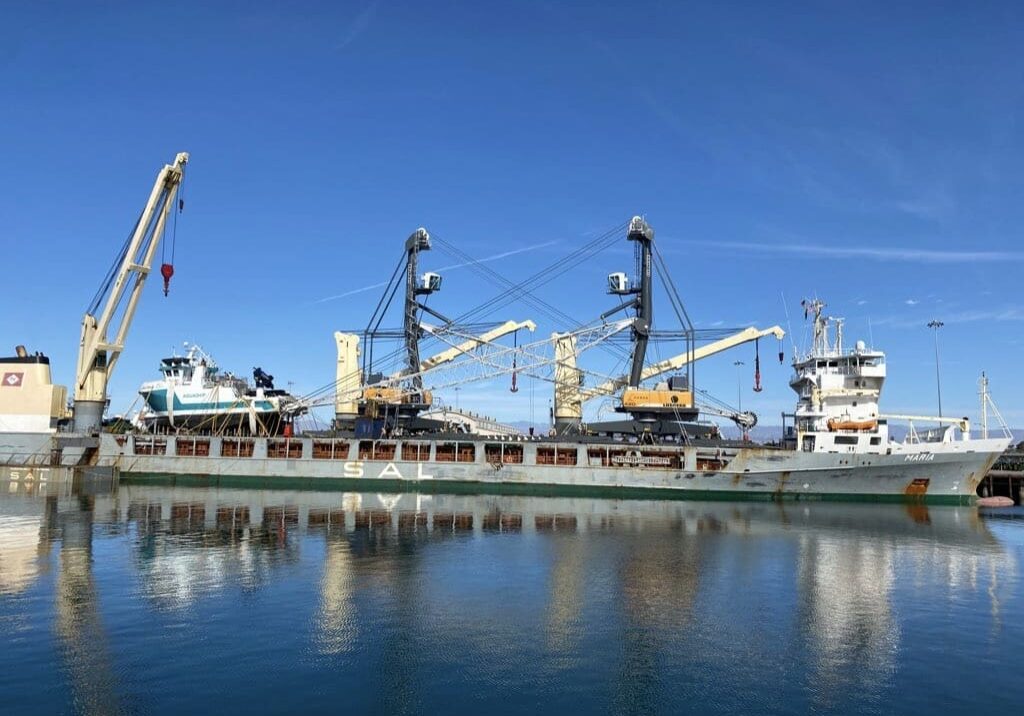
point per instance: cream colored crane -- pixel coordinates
(348, 385)
(468, 345)
(98, 354)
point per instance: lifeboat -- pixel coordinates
(835, 424)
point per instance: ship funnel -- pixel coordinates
(20, 350)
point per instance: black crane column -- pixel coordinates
(419, 240)
(641, 232)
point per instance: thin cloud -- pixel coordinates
(911, 302)
(997, 315)
(486, 259)
(929, 256)
(358, 25)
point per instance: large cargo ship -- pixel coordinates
(838, 447)
(386, 431)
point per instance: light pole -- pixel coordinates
(935, 326)
(739, 390)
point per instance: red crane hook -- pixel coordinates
(167, 270)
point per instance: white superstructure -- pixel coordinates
(838, 392)
(193, 393)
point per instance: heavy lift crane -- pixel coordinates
(402, 395)
(570, 394)
(348, 385)
(668, 405)
(661, 409)
(97, 353)
(677, 399)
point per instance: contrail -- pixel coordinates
(931, 256)
(495, 257)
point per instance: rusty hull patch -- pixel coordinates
(783, 482)
(918, 487)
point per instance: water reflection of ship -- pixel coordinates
(192, 542)
(847, 579)
(62, 507)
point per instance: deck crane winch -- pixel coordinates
(97, 353)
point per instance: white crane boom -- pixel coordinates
(491, 360)
(676, 362)
(97, 355)
(348, 384)
(470, 344)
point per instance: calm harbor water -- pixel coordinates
(165, 599)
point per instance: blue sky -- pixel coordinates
(866, 153)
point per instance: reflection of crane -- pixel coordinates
(337, 620)
(78, 619)
(97, 353)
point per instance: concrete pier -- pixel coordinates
(1006, 478)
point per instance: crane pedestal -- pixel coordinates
(88, 415)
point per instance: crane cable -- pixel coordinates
(515, 346)
(757, 366)
(512, 291)
(167, 269)
(112, 271)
